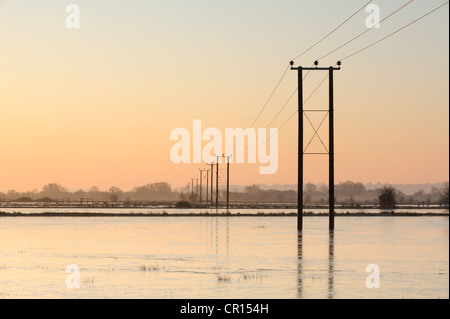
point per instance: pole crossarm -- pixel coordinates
(316, 69)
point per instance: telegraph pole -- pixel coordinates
(196, 187)
(201, 184)
(217, 183)
(212, 182)
(301, 151)
(207, 186)
(228, 180)
(331, 150)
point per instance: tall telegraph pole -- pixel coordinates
(301, 151)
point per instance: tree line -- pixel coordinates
(349, 194)
(55, 192)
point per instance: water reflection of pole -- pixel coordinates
(217, 236)
(228, 237)
(331, 265)
(211, 232)
(300, 265)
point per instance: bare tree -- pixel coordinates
(387, 197)
(445, 194)
(114, 193)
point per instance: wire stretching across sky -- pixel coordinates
(395, 32)
(359, 51)
(368, 30)
(333, 31)
(290, 118)
(287, 68)
(363, 49)
(309, 49)
(265, 104)
(271, 96)
(279, 112)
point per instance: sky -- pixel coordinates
(96, 105)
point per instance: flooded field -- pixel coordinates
(220, 258)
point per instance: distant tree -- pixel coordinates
(114, 193)
(94, 189)
(310, 188)
(183, 204)
(350, 188)
(323, 189)
(280, 198)
(420, 194)
(155, 191)
(53, 190)
(12, 194)
(307, 199)
(445, 194)
(184, 197)
(252, 191)
(44, 200)
(387, 197)
(24, 200)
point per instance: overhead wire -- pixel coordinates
(333, 31)
(347, 57)
(365, 48)
(296, 111)
(366, 31)
(395, 32)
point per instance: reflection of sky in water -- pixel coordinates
(258, 257)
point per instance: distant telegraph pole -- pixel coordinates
(301, 151)
(217, 183)
(228, 183)
(212, 182)
(201, 184)
(207, 185)
(196, 189)
(228, 180)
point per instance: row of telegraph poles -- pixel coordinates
(211, 198)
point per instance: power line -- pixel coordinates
(279, 112)
(395, 32)
(290, 118)
(287, 68)
(267, 102)
(361, 34)
(309, 49)
(270, 97)
(287, 102)
(333, 31)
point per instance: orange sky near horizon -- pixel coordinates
(96, 105)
